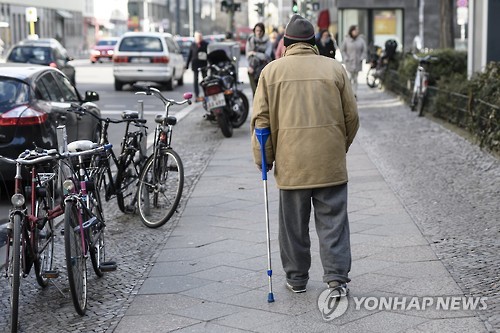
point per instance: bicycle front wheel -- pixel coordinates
(160, 188)
(44, 237)
(126, 185)
(75, 257)
(371, 78)
(14, 270)
(97, 247)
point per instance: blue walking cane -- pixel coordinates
(262, 135)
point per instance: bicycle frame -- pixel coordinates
(421, 84)
(29, 221)
(77, 193)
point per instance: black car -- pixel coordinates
(44, 51)
(34, 100)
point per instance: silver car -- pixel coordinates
(147, 56)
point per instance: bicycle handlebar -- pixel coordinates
(81, 110)
(425, 59)
(30, 157)
(152, 91)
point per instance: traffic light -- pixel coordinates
(259, 8)
(295, 7)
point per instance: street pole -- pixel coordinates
(177, 17)
(421, 22)
(145, 21)
(191, 18)
(230, 16)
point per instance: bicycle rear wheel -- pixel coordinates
(14, 271)
(160, 188)
(75, 258)
(421, 103)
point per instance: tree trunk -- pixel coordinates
(447, 38)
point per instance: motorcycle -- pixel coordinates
(224, 103)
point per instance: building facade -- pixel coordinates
(58, 19)
(183, 17)
(401, 20)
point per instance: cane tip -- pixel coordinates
(270, 298)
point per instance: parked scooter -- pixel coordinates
(224, 102)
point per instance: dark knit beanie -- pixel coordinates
(299, 30)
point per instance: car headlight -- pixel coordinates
(95, 52)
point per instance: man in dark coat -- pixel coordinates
(325, 44)
(198, 59)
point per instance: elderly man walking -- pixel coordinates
(307, 102)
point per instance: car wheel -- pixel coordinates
(118, 85)
(180, 81)
(169, 84)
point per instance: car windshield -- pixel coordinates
(12, 93)
(104, 42)
(141, 44)
(40, 55)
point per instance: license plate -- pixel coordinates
(140, 60)
(215, 101)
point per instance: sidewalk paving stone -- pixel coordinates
(214, 263)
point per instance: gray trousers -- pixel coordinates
(332, 227)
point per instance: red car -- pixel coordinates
(103, 49)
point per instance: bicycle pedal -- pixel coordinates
(50, 274)
(108, 266)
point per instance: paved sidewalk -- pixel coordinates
(210, 276)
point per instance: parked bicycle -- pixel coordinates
(31, 234)
(84, 223)
(162, 178)
(123, 182)
(421, 83)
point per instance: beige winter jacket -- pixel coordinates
(307, 102)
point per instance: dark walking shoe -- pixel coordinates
(296, 289)
(338, 289)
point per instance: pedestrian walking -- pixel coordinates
(258, 51)
(198, 59)
(353, 53)
(308, 104)
(325, 44)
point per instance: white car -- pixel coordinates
(147, 56)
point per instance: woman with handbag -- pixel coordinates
(258, 51)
